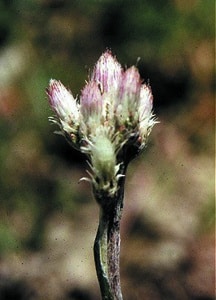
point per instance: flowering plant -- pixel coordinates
(110, 123)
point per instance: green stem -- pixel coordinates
(100, 256)
(113, 251)
(107, 245)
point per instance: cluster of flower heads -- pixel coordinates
(112, 116)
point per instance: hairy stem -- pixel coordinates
(100, 256)
(107, 245)
(113, 251)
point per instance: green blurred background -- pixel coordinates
(47, 220)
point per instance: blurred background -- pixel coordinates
(48, 221)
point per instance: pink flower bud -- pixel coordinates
(63, 104)
(128, 96)
(146, 118)
(107, 72)
(145, 102)
(90, 99)
(130, 85)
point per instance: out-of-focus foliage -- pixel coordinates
(169, 208)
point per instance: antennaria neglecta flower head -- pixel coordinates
(111, 121)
